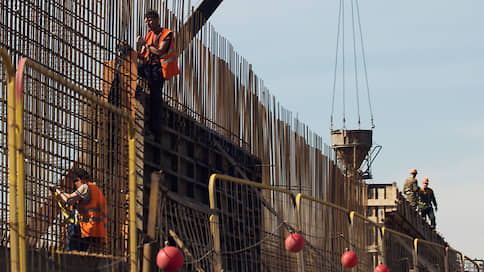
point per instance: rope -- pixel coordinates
(201, 258)
(254, 245)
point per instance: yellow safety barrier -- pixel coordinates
(43, 77)
(16, 261)
(249, 222)
(328, 230)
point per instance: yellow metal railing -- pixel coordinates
(247, 196)
(352, 225)
(16, 126)
(17, 252)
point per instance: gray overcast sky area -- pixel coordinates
(425, 64)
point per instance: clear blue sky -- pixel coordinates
(426, 70)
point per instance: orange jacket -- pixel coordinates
(168, 61)
(92, 215)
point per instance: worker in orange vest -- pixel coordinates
(91, 208)
(157, 63)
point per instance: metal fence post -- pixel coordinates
(12, 161)
(415, 255)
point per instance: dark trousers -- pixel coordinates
(75, 242)
(428, 211)
(154, 75)
(74, 237)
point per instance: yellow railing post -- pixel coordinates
(12, 160)
(133, 256)
(415, 256)
(214, 222)
(19, 115)
(382, 246)
(300, 255)
(351, 216)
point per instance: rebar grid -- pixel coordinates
(4, 189)
(250, 234)
(62, 130)
(190, 224)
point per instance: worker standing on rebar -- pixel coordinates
(410, 188)
(157, 63)
(92, 209)
(425, 202)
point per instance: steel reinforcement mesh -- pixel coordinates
(4, 199)
(62, 131)
(252, 228)
(327, 233)
(185, 225)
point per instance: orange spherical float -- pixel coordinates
(349, 259)
(169, 259)
(382, 268)
(294, 242)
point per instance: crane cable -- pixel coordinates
(341, 8)
(364, 65)
(340, 36)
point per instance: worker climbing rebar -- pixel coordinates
(92, 211)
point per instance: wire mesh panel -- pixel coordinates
(471, 265)
(326, 230)
(249, 231)
(4, 188)
(63, 130)
(431, 257)
(399, 251)
(366, 243)
(187, 226)
(455, 260)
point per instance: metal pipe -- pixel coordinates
(12, 159)
(133, 256)
(19, 115)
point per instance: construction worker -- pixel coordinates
(71, 220)
(157, 63)
(410, 188)
(426, 199)
(92, 209)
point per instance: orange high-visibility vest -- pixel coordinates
(168, 61)
(92, 215)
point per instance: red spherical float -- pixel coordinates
(349, 259)
(382, 268)
(294, 242)
(169, 259)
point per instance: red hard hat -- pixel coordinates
(413, 171)
(425, 180)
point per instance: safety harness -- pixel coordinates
(68, 219)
